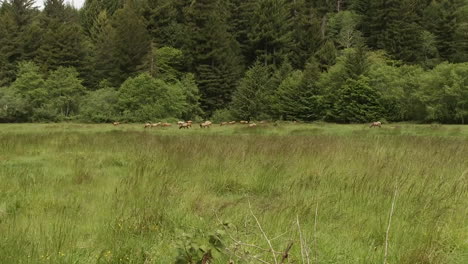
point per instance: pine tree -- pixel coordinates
(252, 99)
(299, 97)
(214, 51)
(440, 18)
(104, 53)
(306, 34)
(18, 36)
(62, 44)
(326, 55)
(132, 41)
(270, 36)
(357, 102)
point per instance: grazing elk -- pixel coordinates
(244, 122)
(165, 125)
(184, 125)
(232, 122)
(156, 124)
(252, 125)
(223, 123)
(205, 124)
(148, 125)
(116, 123)
(376, 124)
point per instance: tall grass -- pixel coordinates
(99, 194)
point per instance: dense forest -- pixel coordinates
(345, 61)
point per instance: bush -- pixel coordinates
(100, 106)
(222, 115)
(145, 98)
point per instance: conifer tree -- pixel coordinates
(270, 36)
(132, 41)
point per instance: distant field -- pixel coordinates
(85, 193)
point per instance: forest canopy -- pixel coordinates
(341, 61)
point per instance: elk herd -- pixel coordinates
(207, 124)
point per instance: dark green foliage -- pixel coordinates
(145, 98)
(132, 41)
(100, 106)
(444, 92)
(62, 43)
(356, 102)
(104, 52)
(253, 98)
(13, 107)
(270, 35)
(192, 95)
(302, 55)
(65, 90)
(214, 51)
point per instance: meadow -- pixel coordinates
(322, 193)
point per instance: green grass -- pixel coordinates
(81, 193)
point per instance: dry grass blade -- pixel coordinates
(264, 234)
(388, 226)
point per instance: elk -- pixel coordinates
(184, 125)
(223, 123)
(252, 125)
(232, 122)
(376, 124)
(116, 123)
(244, 122)
(205, 124)
(147, 125)
(165, 125)
(156, 124)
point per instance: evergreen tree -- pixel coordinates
(252, 99)
(62, 44)
(357, 102)
(298, 96)
(215, 52)
(326, 55)
(18, 36)
(306, 34)
(104, 51)
(132, 41)
(271, 36)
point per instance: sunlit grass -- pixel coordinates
(82, 193)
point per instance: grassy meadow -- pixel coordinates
(85, 193)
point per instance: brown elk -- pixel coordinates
(376, 124)
(147, 125)
(156, 124)
(223, 123)
(116, 123)
(205, 124)
(244, 122)
(232, 122)
(165, 125)
(252, 125)
(184, 125)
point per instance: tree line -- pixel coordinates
(140, 60)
